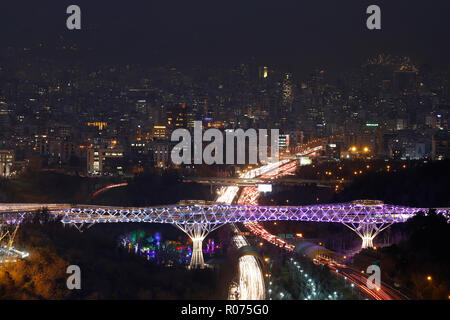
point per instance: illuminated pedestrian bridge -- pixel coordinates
(347, 213)
(198, 218)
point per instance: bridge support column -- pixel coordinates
(197, 232)
(367, 232)
(197, 254)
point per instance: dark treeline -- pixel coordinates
(426, 185)
(421, 185)
(153, 188)
(148, 188)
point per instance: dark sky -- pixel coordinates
(328, 33)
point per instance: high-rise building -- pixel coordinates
(141, 106)
(104, 161)
(6, 162)
(159, 132)
(263, 72)
(161, 153)
(176, 117)
(283, 141)
(440, 147)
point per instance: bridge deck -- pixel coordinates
(351, 213)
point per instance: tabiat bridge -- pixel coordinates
(198, 218)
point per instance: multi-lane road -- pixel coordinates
(251, 279)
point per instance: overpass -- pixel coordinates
(197, 219)
(251, 182)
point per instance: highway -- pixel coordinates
(251, 280)
(249, 196)
(273, 179)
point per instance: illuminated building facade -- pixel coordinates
(6, 162)
(104, 161)
(159, 132)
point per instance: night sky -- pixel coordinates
(302, 33)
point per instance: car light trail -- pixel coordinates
(251, 279)
(111, 186)
(249, 196)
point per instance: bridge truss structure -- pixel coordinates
(198, 220)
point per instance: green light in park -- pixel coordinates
(371, 124)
